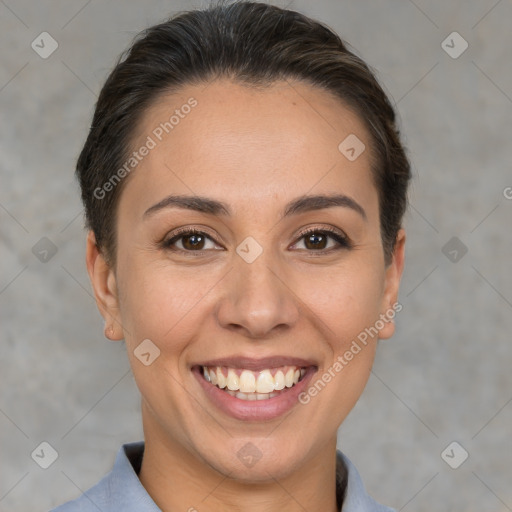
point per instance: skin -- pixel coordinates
(255, 150)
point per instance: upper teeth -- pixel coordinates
(247, 381)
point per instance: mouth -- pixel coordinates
(254, 390)
(249, 385)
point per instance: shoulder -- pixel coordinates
(120, 489)
(356, 498)
(91, 500)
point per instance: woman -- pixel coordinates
(244, 186)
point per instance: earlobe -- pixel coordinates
(104, 285)
(390, 305)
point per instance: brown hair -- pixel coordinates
(253, 43)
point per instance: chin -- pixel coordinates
(258, 461)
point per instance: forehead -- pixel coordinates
(226, 139)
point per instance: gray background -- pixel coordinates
(444, 377)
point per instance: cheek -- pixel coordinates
(164, 307)
(157, 303)
(346, 310)
(347, 300)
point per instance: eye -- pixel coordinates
(316, 240)
(191, 240)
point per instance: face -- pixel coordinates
(270, 287)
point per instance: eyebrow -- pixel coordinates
(301, 204)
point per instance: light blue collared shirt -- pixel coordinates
(121, 490)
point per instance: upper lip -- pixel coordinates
(250, 363)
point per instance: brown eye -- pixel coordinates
(318, 239)
(191, 241)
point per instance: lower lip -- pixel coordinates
(254, 410)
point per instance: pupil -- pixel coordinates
(314, 238)
(197, 240)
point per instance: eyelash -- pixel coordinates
(342, 240)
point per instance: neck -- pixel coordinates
(179, 479)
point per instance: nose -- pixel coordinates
(257, 298)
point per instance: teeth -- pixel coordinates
(222, 382)
(251, 396)
(279, 380)
(233, 381)
(265, 382)
(248, 382)
(253, 385)
(288, 378)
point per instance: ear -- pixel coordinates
(103, 281)
(392, 283)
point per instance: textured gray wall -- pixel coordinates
(444, 377)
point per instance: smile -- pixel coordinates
(254, 389)
(253, 385)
